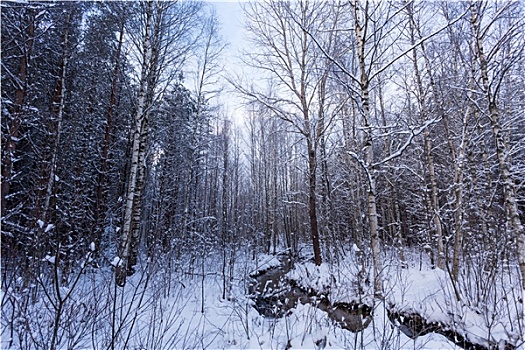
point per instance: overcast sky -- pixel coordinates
(230, 16)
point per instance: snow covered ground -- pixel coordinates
(175, 309)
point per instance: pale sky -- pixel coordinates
(231, 18)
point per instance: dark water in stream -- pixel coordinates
(275, 296)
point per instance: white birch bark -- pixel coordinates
(360, 32)
(510, 197)
(134, 172)
(495, 121)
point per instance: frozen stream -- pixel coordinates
(275, 295)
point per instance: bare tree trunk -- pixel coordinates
(510, 197)
(127, 236)
(349, 124)
(460, 160)
(312, 161)
(136, 228)
(312, 203)
(436, 218)
(486, 212)
(458, 212)
(330, 241)
(369, 153)
(225, 200)
(275, 198)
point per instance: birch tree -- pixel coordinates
(503, 54)
(130, 235)
(164, 35)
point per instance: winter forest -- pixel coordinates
(366, 191)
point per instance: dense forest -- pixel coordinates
(390, 133)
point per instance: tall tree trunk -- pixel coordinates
(312, 203)
(136, 228)
(275, 198)
(326, 204)
(460, 158)
(510, 197)
(436, 218)
(368, 148)
(224, 207)
(311, 146)
(458, 161)
(130, 212)
(458, 212)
